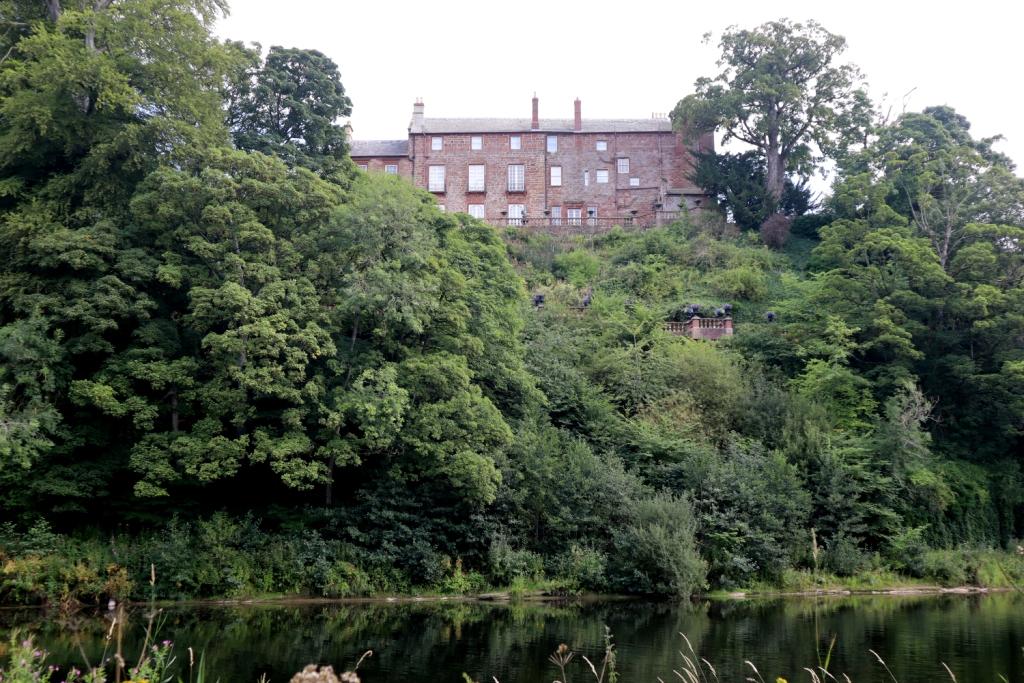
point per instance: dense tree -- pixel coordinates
(782, 91)
(737, 181)
(289, 106)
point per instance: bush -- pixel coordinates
(582, 568)
(947, 567)
(507, 564)
(775, 230)
(844, 557)
(656, 553)
(809, 224)
(462, 582)
(907, 551)
(742, 282)
(578, 267)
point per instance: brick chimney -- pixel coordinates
(417, 115)
(577, 123)
(535, 121)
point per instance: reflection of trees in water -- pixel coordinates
(980, 635)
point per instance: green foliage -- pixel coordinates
(743, 282)
(781, 91)
(737, 181)
(507, 564)
(213, 334)
(287, 106)
(656, 552)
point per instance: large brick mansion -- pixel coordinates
(547, 172)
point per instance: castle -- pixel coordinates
(550, 173)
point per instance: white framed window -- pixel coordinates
(556, 176)
(391, 169)
(575, 216)
(634, 182)
(602, 145)
(437, 143)
(515, 214)
(601, 176)
(435, 179)
(556, 215)
(586, 178)
(476, 143)
(516, 178)
(592, 215)
(476, 211)
(623, 164)
(552, 143)
(475, 179)
(515, 142)
(363, 167)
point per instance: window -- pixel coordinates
(602, 145)
(556, 176)
(515, 214)
(586, 178)
(634, 182)
(436, 143)
(391, 169)
(575, 216)
(552, 143)
(516, 178)
(476, 178)
(515, 142)
(476, 143)
(602, 176)
(556, 215)
(592, 212)
(435, 179)
(476, 211)
(362, 167)
(623, 164)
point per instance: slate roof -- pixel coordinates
(379, 148)
(553, 125)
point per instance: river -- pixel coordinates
(980, 637)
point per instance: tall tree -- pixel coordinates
(289, 107)
(781, 91)
(941, 179)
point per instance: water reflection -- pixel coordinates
(979, 637)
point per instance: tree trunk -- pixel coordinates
(53, 10)
(775, 177)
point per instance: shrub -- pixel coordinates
(948, 567)
(578, 267)
(775, 230)
(809, 224)
(582, 568)
(844, 557)
(656, 553)
(742, 282)
(462, 582)
(507, 564)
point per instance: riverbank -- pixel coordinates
(509, 596)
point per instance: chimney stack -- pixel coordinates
(577, 123)
(535, 122)
(417, 115)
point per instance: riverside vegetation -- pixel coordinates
(228, 354)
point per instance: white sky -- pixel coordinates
(486, 58)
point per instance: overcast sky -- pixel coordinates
(481, 58)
